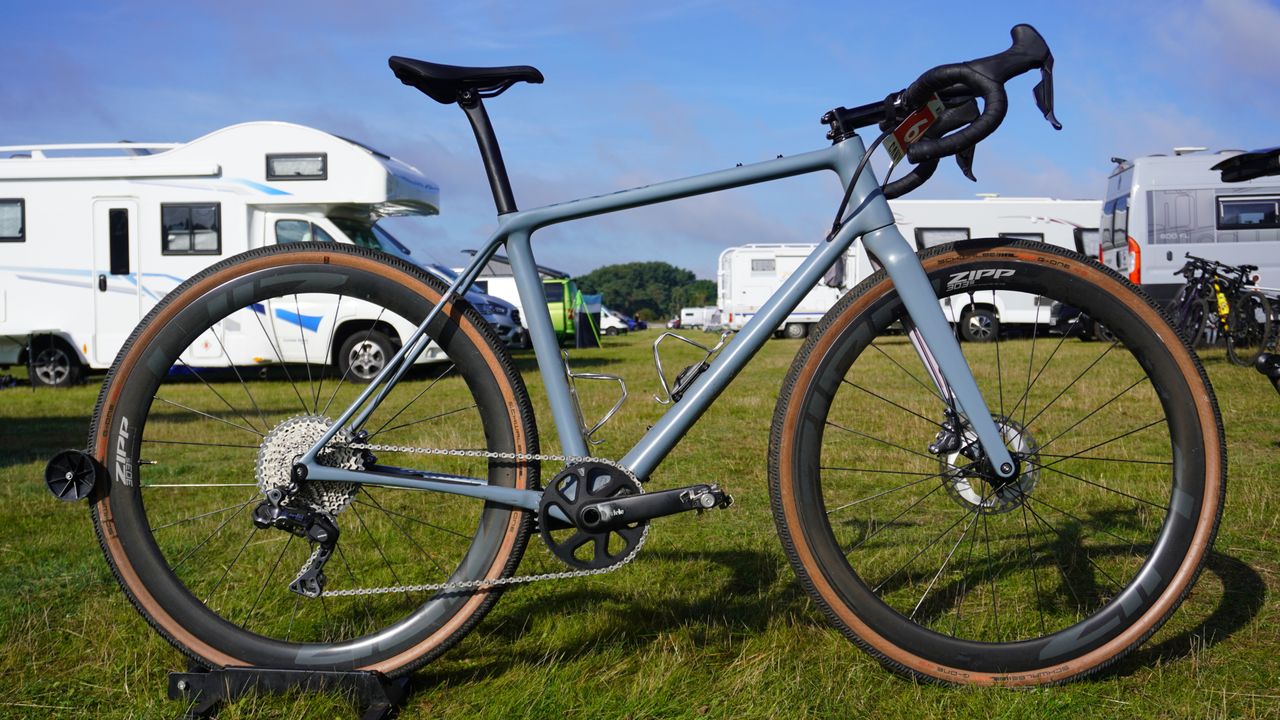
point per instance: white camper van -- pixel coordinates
(748, 275)
(1159, 208)
(92, 236)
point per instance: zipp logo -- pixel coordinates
(969, 277)
(124, 469)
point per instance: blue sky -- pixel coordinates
(641, 92)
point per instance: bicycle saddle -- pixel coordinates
(445, 83)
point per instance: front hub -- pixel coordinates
(972, 484)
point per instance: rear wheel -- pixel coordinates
(193, 444)
(922, 556)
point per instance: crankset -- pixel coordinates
(571, 494)
(594, 514)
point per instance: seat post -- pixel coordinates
(499, 183)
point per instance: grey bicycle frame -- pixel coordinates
(870, 219)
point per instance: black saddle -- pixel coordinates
(446, 83)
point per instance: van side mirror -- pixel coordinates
(1250, 165)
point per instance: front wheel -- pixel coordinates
(194, 445)
(921, 556)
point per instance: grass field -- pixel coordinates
(708, 622)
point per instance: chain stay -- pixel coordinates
(496, 582)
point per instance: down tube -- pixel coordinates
(663, 436)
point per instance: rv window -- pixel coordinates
(1038, 237)
(929, 237)
(291, 231)
(12, 225)
(1247, 213)
(1087, 241)
(118, 240)
(763, 265)
(308, 166)
(191, 229)
(554, 292)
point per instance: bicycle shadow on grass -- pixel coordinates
(755, 594)
(1244, 594)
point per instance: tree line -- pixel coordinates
(647, 290)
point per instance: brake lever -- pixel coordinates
(1043, 91)
(964, 159)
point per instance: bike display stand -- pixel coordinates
(375, 695)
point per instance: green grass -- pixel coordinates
(708, 622)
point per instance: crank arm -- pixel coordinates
(387, 476)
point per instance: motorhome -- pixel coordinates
(93, 235)
(749, 274)
(704, 318)
(1159, 208)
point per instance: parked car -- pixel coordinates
(502, 315)
(1066, 319)
(673, 323)
(613, 323)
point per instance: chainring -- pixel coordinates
(575, 487)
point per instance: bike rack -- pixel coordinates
(375, 695)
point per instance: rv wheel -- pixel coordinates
(795, 331)
(53, 363)
(364, 354)
(979, 325)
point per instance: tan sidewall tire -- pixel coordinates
(788, 512)
(517, 406)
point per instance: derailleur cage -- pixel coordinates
(317, 527)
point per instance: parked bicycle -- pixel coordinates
(979, 514)
(1218, 305)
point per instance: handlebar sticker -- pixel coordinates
(913, 128)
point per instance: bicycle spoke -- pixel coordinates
(1072, 383)
(932, 391)
(410, 538)
(306, 358)
(195, 517)
(210, 536)
(1116, 585)
(227, 571)
(908, 509)
(333, 349)
(945, 562)
(411, 402)
(414, 519)
(1099, 485)
(1095, 446)
(279, 356)
(255, 448)
(878, 396)
(433, 417)
(266, 580)
(922, 550)
(1095, 411)
(890, 490)
(376, 546)
(882, 441)
(1031, 562)
(240, 379)
(1026, 394)
(343, 378)
(205, 414)
(218, 394)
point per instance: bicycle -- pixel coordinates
(1219, 304)
(989, 519)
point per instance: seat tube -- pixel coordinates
(545, 345)
(893, 252)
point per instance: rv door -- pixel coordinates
(116, 288)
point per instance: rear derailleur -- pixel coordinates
(315, 526)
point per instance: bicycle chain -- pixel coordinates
(495, 582)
